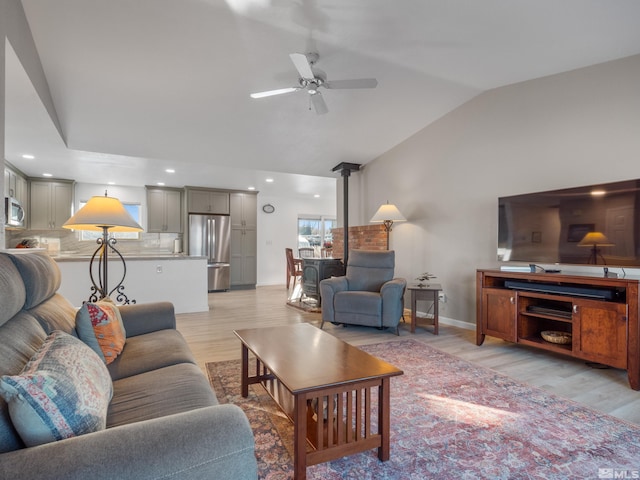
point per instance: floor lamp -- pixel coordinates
(387, 214)
(104, 214)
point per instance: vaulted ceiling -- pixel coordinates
(144, 85)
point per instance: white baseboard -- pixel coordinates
(444, 320)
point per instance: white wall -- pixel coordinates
(279, 230)
(566, 130)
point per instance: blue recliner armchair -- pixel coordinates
(367, 295)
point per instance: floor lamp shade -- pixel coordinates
(387, 214)
(104, 214)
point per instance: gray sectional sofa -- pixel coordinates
(163, 421)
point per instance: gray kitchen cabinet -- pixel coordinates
(164, 210)
(244, 246)
(207, 201)
(50, 204)
(15, 185)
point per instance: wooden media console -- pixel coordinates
(600, 314)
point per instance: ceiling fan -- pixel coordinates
(312, 80)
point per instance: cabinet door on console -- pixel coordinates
(499, 313)
(601, 329)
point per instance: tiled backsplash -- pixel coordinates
(67, 242)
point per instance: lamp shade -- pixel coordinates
(592, 239)
(388, 212)
(100, 212)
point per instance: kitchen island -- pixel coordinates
(176, 278)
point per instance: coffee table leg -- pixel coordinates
(245, 371)
(300, 438)
(384, 418)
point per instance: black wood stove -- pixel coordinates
(316, 269)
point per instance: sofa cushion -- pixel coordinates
(56, 313)
(162, 392)
(99, 325)
(62, 392)
(20, 339)
(12, 291)
(150, 351)
(40, 274)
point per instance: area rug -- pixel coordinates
(452, 419)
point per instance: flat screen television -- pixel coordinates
(594, 224)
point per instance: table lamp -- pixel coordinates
(104, 214)
(387, 214)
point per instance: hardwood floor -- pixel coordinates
(210, 336)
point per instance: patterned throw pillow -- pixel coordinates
(99, 325)
(62, 392)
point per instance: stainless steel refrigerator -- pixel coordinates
(209, 236)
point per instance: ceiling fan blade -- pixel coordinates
(355, 83)
(270, 93)
(318, 103)
(301, 62)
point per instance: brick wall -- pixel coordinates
(365, 237)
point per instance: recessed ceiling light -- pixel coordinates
(28, 156)
(268, 180)
(316, 196)
(251, 188)
(170, 170)
(47, 175)
(111, 183)
(160, 184)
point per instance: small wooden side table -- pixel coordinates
(427, 292)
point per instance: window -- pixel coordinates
(315, 232)
(134, 211)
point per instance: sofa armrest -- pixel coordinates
(147, 317)
(328, 288)
(392, 293)
(212, 442)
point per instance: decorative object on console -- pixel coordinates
(561, 338)
(387, 214)
(104, 214)
(594, 240)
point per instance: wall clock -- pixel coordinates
(268, 208)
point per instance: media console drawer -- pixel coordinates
(592, 318)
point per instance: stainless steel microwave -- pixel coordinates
(13, 213)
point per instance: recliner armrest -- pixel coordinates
(147, 317)
(393, 286)
(392, 293)
(328, 288)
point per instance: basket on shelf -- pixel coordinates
(561, 338)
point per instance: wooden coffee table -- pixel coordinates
(325, 386)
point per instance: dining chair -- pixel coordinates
(294, 267)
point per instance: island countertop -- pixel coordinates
(127, 257)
